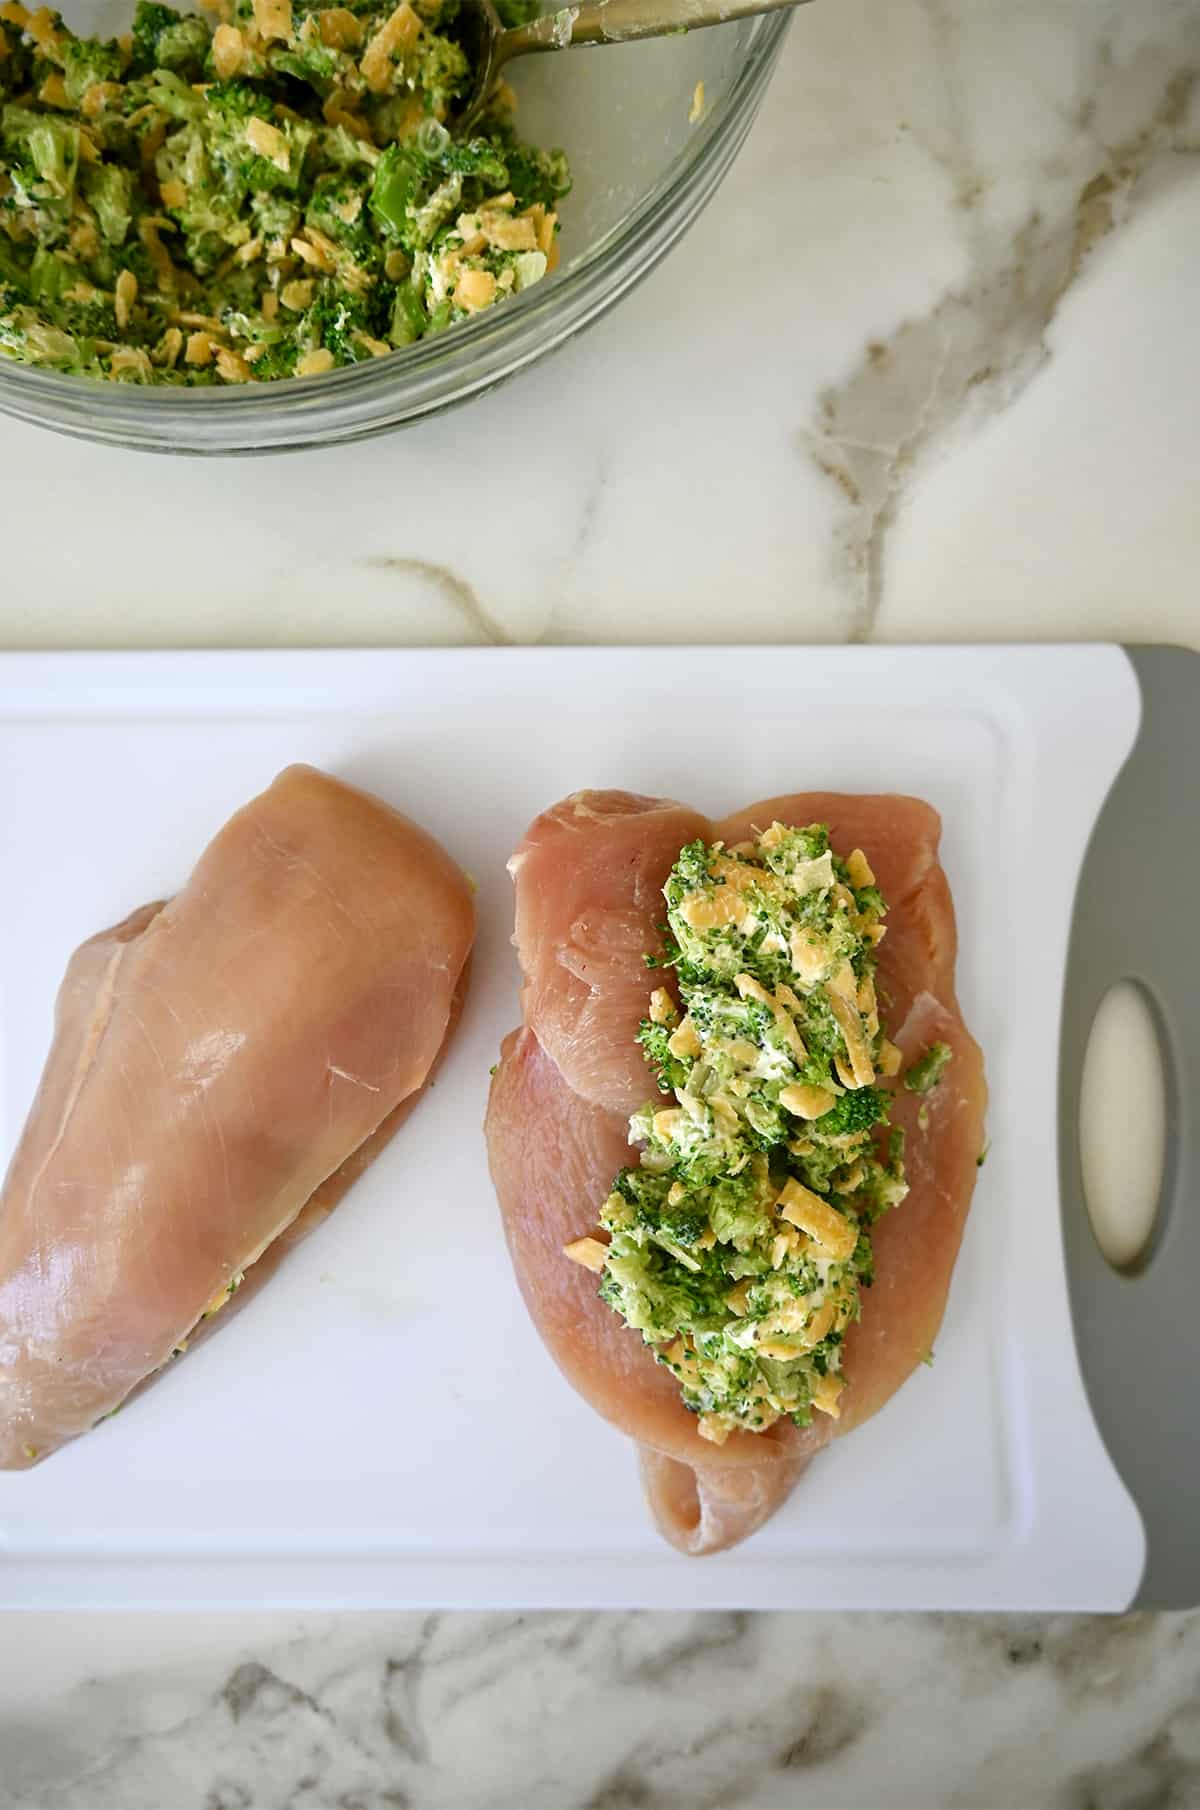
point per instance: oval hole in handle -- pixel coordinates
(1123, 1125)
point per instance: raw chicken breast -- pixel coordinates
(589, 877)
(557, 1130)
(223, 1066)
(705, 1507)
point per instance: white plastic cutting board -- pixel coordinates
(382, 1425)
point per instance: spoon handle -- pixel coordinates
(622, 21)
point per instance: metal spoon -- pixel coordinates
(489, 47)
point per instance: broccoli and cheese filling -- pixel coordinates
(271, 193)
(739, 1242)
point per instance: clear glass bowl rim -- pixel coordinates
(435, 373)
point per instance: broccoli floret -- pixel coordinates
(658, 1296)
(273, 164)
(534, 175)
(210, 209)
(443, 73)
(150, 20)
(274, 216)
(183, 48)
(333, 320)
(51, 144)
(233, 100)
(645, 1192)
(478, 159)
(740, 1209)
(654, 1215)
(856, 1111)
(165, 39)
(279, 360)
(89, 60)
(88, 321)
(690, 869)
(654, 1039)
(927, 1071)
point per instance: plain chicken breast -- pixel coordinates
(557, 1127)
(222, 1068)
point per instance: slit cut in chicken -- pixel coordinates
(588, 878)
(224, 1065)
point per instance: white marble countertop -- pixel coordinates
(950, 393)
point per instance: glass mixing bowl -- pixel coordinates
(642, 171)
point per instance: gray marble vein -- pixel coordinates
(1130, 128)
(461, 598)
(632, 1712)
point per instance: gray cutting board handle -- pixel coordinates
(1138, 1334)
